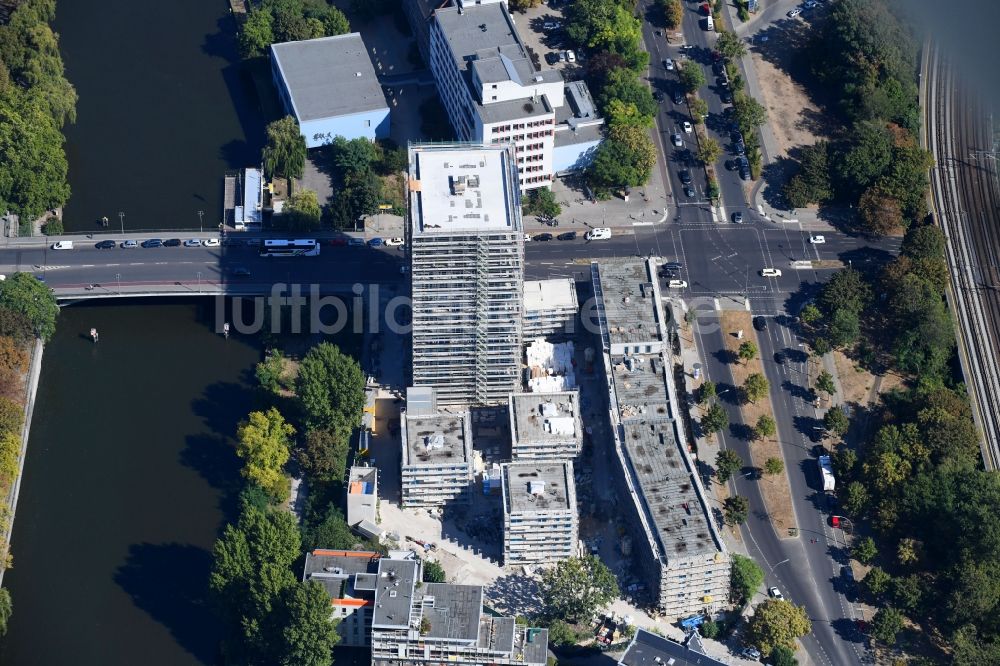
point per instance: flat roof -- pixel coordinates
(538, 486)
(394, 593)
(640, 386)
(332, 568)
(454, 615)
(496, 634)
(649, 649)
(461, 188)
(546, 417)
(329, 76)
(582, 134)
(555, 294)
(362, 480)
(437, 439)
(629, 300)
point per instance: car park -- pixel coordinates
(688, 128)
(375, 242)
(685, 176)
(775, 593)
(106, 245)
(817, 240)
(770, 272)
(129, 244)
(192, 242)
(569, 235)
(62, 245)
(152, 242)
(759, 323)
(210, 242)
(677, 284)
(676, 139)
(738, 217)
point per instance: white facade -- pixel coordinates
(539, 512)
(437, 458)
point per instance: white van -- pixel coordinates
(599, 233)
(63, 245)
(709, 23)
(677, 284)
(770, 272)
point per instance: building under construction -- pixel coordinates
(539, 512)
(678, 548)
(437, 457)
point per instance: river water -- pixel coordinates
(164, 111)
(130, 474)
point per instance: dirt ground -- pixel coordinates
(792, 116)
(775, 489)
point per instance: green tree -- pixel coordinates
(714, 420)
(876, 582)
(727, 462)
(844, 328)
(600, 25)
(306, 636)
(10, 454)
(880, 212)
(673, 13)
(908, 592)
(332, 531)
(263, 444)
(774, 466)
(542, 201)
(699, 111)
(745, 577)
(710, 629)
(706, 392)
(709, 150)
(749, 113)
(270, 372)
(623, 86)
(625, 158)
(777, 622)
(256, 34)
(736, 509)
(53, 227)
(747, 351)
(285, 150)
(433, 572)
(887, 624)
(691, 76)
(864, 551)
(925, 241)
(856, 498)
(810, 314)
(846, 289)
(576, 587)
(812, 183)
(730, 45)
(782, 655)
(755, 387)
(6, 609)
(331, 388)
(766, 427)
(27, 295)
(522, 5)
(11, 417)
(322, 454)
(561, 634)
(824, 383)
(302, 211)
(624, 113)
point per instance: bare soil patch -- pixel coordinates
(775, 489)
(794, 119)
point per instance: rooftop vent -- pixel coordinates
(457, 184)
(357, 74)
(536, 488)
(435, 441)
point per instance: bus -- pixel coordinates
(290, 248)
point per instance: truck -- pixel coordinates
(826, 474)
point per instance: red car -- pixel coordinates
(338, 242)
(835, 521)
(705, 9)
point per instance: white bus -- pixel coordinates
(299, 247)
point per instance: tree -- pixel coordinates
(257, 33)
(270, 371)
(6, 609)
(880, 211)
(331, 388)
(433, 572)
(263, 443)
(53, 227)
(714, 420)
(18, 327)
(846, 289)
(691, 76)
(576, 587)
(844, 328)
(864, 551)
(623, 86)
(322, 455)
(673, 13)
(836, 422)
(749, 113)
(709, 150)
(285, 150)
(876, 582)
(777, 622)
(774, 466)
(727, 462)
(824, 383)
(706, 392)
(766, 427)
(12, 355)
(747, 351)
(331, 532)
(736, 510)
(925, 241)
(699, 111)
(25, 294)
(755, 387)
(782, 655)
(810, 314)
(523, 5)
(10, 454)
(561, 634)
(812, 183)
(11, 417)
(625, 158)
(302, 211)
(542, 202)
(908, 592)
(624, 113)
(600, 25)
(730, 45)
(305, 636)
(887, 624)
(745, 577)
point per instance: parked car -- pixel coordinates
(685, 176)
(106, 245)
(192, 242)
(375, 242)
(688, 128)
(129, 244)
(668, 64)
(718, 67)
(751, 653)
(394, 242)
(543, 237)
(569, 235)
(570, 56)
(678, 97)
(759, 323)
(172, 242)
(677, 284)
(338, 242)
(210, 242)
(817, 240)
(356, 242)
(658, 96)
(689, 191)
(775, 593)
(726, 97)
(152, 242)
(62, 245)
(738, 217)
(676, 139)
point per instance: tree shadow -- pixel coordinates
(729, 394)
(775, 175)
(170, 583)
(741, 431)
(797, 390)
(847, 629)
(810, 426)
(514, 595)
(726, 356)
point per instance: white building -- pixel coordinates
(493, 93)
(545, 426)
(539, 512)
(437, 457)
(549, 307)
(467, 271)
(329, 85)
(349, 577)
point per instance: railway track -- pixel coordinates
(967, 201)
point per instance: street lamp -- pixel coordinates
(778, 565)
(121, 218)
(201, 224)
(118, 278)
(199, 282)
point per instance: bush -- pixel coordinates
(53, 227)
(11, 417)
(433, 572)
(710, 629)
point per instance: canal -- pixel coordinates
(164, 110)
(129, 476)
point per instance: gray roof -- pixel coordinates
(478, 27)
(582, 134)
(640, 386)
(496, 634)
(532, 414)
(437, 439)
(629, 301)
(533, 644)
(554, 491)
(454, 613)
(394, 593)
(515, 109)
(649, 649)
(329, 76)
(333, 568)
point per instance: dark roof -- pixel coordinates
(454, 613)
(648, 649)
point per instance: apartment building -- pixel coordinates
(429, 624)
(678, 549)
(437, 457)
(494, 94)
(539, 512)
(550, 307)
(349, 577)
(467, 271)
(649, 649)
(545, 426)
